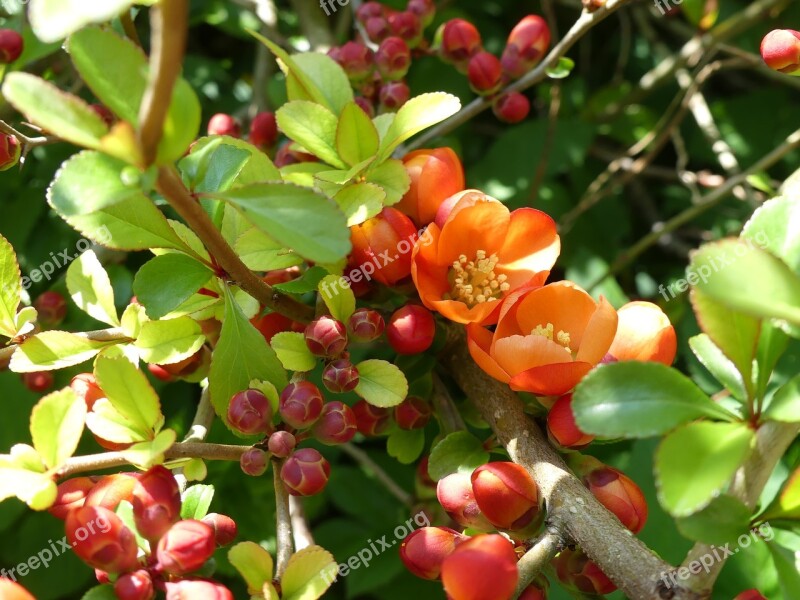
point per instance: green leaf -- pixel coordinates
(101, 592)
(771, 345)
(124, 511)
(694, 463)
(309, 573)
(307, 282)
(90, 288)
(56, 426)
(108, 423)
(221, 162)
(150, 453)
(749, 280)
(55, 111)
(169, 341)
(261, 253)
(702, 13)
(719, 365)
(293, 352)
(654, 400)
(406, 445)
(356, 136)
(414, 116)
(130, 393)
(196, 501)
(240, 356)
(381, 383)
(253, 563)
(786, 504)
(774, 227)
(786, 564)
(313, 127)
(561, 69)
(339, 299)
(10, 289)
(167, 281)
(459, 452)
(52, 350)
(721, 522)
(37, 490)
(298, 217)
(392, 177)
(360, 201)
(785, 404)
(53, 20)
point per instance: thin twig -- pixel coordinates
(113, 334)
(283, 519)
(303, 538)
(363, 459)
(538, 557)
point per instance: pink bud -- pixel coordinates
(371, 420)
(197, 589)
(101, 540)
(110, 490)
(254, 462)
(281, 443)
(185, 547)
(780, 49)
(340, 376)
(336, 424)
(393, 58)
(464, 572)
(526, 46)
(455, 494)
(512, 107)
(52, 308)
(619, 494)
(10, 151)
(561, 427)
(406, 25)
(305, 472)
(485, 73)
(301, 404)
(394, 95)
(224, 527)
(135, 586)
(412, 413)
(156, 503)
(264, 130)
(365, 105)
(411, 329)
(356, 59)
(222, 124)
(378, 29)
(326, 337)
(369, 10)
(70, 494)
(250, 412)
(424, 550)
(459, 41)
(366, 325)
(11, 46)
(424, 9)
(38, 382)
(506, 494)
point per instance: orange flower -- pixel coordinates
(435, 176)
(644, 333)
(546, 340)
(479, 254)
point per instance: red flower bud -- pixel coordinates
(305, 473)
(270, 324)
(485, 73)
(780, 49)
(52, 308)
(406, 25)
(369, 10)
(101, 540)
(264, 130)
(197, 589)
(464, 572)
(512, 108)
(526, 46)
(424, 9)
(110, 490)
(356, 59)
(424, 550)
(281, 443)
(561, 427)
(224, 527)
(382, 246)
(70, 494)
(301, 404)
(412, 413)
(185, 547)
(457, 498)
(104, 113)
(577, 572)
(378, 29)
(135, 586)
(750, 595)
(619, 494)
(506, 495)
(411, 329)
(254, 462)
(10, 590)
(459, 41)
(250, 412)
(393, 58)
(326, 337)
(38, 382)
(340, 376)
(11, 46)
(10, 151)
(435, 175)
(537, 590)
(366, 325)
(222, 124)
(371, 420)
(156, 503)
(336, 424)
(394, 95)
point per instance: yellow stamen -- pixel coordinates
(561, 337)
(475, 282)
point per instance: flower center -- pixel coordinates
(548, 331)
(475, 282)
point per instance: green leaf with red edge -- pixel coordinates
(787, 504)
(309, 573)
(10, 289)
(253, 563)
(56, 426)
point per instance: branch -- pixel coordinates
(27, 141)
(550, 543)
(363, 459)
(303, 538)
(283, 519)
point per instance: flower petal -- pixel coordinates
(563, 304)
(518, 353)
(479, 227)
(531, 243)
(478, 341)
(599, 334)
(550, 380)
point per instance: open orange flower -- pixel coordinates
(480, 254)
(644, 333)
(546, 340)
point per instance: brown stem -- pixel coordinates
(283, 520)
(303, 538)
(543, 551)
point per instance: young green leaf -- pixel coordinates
(293, 352)
(53, 20)
(721, 522)
(340, 300)
(381, 383)
(50, 350)
(165, 282)
(414, 116)
(785, 562)
(405, 445)
(169, 341)
(785, 404)
(719, 365)
(130, 393)
(459, 452)
(774, 227)
(356, 136)
(108, 423)
(56, 426)
(313, 127)
(151, 452)
(90, 288)
(309, 573)
(561, 69)
(196, 501)
(254, 564)
(360, 201)
(261, 253)
(392, 177)
(37, 490)
(10, 289)
(787, 504)
(221, 162)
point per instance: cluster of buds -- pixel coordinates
(263, 128)
(175, 548)
(780, 50)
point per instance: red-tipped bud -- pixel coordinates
(38, 382)
(281, 444)
(424, 550)
(393, 58)
(577, 572)
(371, 420)
(305, 472)
(459, 40)
(254, 462)
(394, 95)
(619, 494)
(264, 130)
(378, 29)
(356, 59)
(156, 503)
(561, 427)
(340, 376)
(485, 73)
(135, 586)
(250, 412)
(110, 490)
(224, 527)
(424, 9)
(101, 540)
(526, 46)
(436, 175)
(455, 494)
(780, 49)
(411, 329)
(10, 151)
(223, 124)
(412, 413)
(506, 495)
(750, 595)
(366, 325)
(336, 424)
(368, 10)
(104, 113)
(52, 308)
(70, 494)
(197, 589)
(11, 46)
(537, 590)
(408, 26)
(301, 404)
(326, 337)
(382, 246)
(366, 105)
(185, 547)
(464, 571)
(512, 107)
